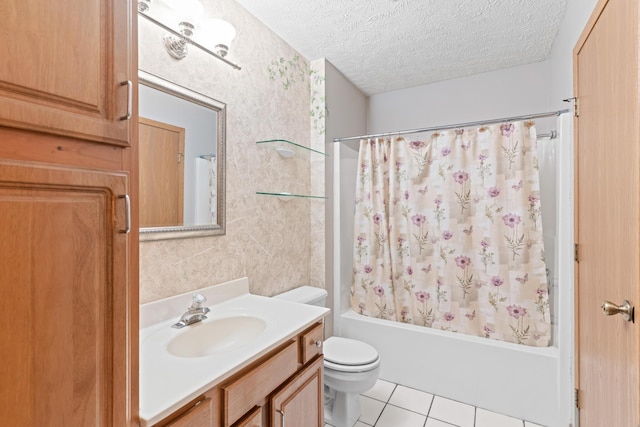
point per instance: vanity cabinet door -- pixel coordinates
(67, 66)
(65, 291)
(300, 401)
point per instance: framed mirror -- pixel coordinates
(182, 161)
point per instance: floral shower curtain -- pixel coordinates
(448, 233)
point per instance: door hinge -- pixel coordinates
(574, 101)
(577, 398)
(576, 252)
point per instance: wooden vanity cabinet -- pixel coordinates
(287, 380)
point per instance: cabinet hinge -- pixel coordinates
(576, 252)
(577, 398)
(574, 101)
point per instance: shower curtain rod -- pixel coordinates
(456, 126)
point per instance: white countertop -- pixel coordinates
(169, 382)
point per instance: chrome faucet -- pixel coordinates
(195, 313)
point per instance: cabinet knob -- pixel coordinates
(318, 343)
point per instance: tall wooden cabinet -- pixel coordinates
(69, 217)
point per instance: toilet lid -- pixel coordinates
(345, 351)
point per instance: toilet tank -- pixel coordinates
(305, 295)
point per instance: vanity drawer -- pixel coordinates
(240, 395)
(311, 343)
(201, 415)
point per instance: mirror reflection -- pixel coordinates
(181, 150)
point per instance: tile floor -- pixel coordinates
(392, 405)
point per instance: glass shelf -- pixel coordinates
(292, 143)
(287, 195)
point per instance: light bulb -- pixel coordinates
(220, 33)
(190, 11)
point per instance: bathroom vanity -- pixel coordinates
(258, 362)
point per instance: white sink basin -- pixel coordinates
(217, 335)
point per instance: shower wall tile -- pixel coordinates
(268, 240)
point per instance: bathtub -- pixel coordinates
(511, 379)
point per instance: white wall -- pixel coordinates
(346, 107)
(502, 93)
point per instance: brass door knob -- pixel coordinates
(626, 309)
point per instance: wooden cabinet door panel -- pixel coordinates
(300, 402)
(63, 263)
(65, 62)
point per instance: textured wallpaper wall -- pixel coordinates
(276, 243)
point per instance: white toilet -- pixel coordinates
(350, 366)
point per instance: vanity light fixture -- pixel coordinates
(218, 32)
(189, 13)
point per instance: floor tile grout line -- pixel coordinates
(407, 409)
(433, 398)
(475, 415)
(442, 421)
(395, 386)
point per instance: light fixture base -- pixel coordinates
(175, 46)
(143, 5)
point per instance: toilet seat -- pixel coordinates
(347, 355)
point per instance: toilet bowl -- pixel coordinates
(351, 367)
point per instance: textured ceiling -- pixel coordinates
(384, 45)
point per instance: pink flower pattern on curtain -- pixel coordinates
(448, 233)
